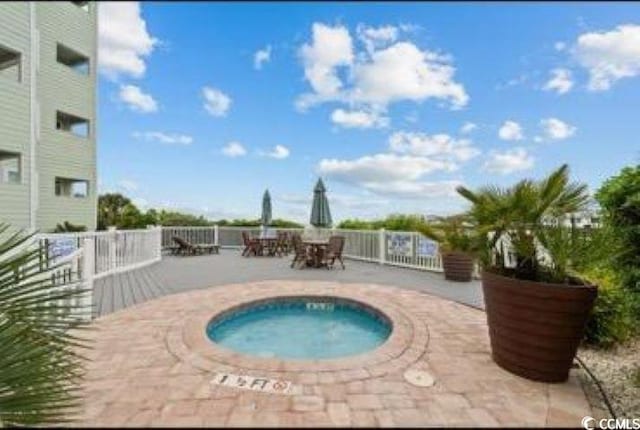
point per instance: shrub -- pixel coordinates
(635, 377)
(612, 320)
(619, 198)
(453, 233)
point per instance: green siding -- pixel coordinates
(14, 112)
(58, 88)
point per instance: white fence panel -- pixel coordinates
(113, 251)
(201, 235)
(360, 244)
(224, 236)
(406, 249)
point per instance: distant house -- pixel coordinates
(586, 219)
(48, 114)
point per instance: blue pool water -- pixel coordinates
(299, 328)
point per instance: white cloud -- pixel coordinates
(415, 190)
(344, 200)
(609, 56)
(560, 81)
(513, 160)
(137, 100)
(387, 71)
(359, 119)
(437, 146)
(330, 47)
(375, 37)
(381, 168)
(468, 127)
(165, 138)
(128, 185)
(279, 152)
(559, 46)
(261, 56)
(555, 129)
(216, 102)
(123, 39)
(234, 149)
(403, 72)
(510, 130)
(391, 174)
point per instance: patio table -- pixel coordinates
(318, 248)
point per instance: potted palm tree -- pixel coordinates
(456, 243)
(536, 306)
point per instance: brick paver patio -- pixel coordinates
(152, 365)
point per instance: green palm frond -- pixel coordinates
(40, 363)
(519, 213)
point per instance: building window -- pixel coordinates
(72, 59)
(10, 64)
(10, 168)
(72, 124)
(72, 187)
(84, 5)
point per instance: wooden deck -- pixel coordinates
(179, 274)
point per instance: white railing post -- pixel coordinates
(88, 272)
(216, 233)
(382, 251)
(157, 242)
(112, 248)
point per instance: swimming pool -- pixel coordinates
(301, 328)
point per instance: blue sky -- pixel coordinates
(204, 105)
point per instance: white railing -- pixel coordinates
(112, 251)
(223, 236)
(360, 244)
(75, 272)
(410, 249)
(394, 248)
(207, 235)
(80, 258)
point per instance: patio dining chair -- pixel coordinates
(251, 246)
(334, 251)
(282, 244)
(300, 250)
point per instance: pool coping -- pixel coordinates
(187, 340)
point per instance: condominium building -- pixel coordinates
(48, 114)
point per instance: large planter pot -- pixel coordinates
(457, 266)
(535, 327)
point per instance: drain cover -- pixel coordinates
(419, 378)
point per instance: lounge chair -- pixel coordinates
(334, 251)
(186, 248)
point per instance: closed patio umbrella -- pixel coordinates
(320, 213)
(265, 219)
